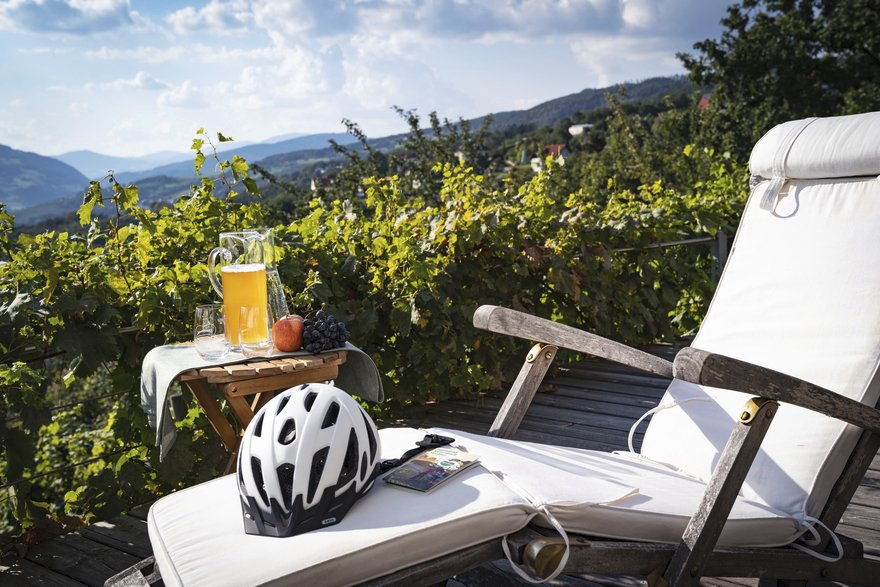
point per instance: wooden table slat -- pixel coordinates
(281, 381)
(263, 366)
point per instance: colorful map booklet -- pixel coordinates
(431, 469)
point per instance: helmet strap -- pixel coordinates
(427, 443)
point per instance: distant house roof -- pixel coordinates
(556, 150)
(703, 104)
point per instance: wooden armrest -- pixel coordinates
(707, 368)
(522, 325)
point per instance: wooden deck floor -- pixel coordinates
(589, 406)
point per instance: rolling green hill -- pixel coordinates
(550, 112)
(28, 179)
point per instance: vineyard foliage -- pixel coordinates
(403, 264)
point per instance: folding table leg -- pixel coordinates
(202, 393)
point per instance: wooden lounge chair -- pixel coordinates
(746, 466)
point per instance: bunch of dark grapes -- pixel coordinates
(324, 332)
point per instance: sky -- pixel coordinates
(133, 77)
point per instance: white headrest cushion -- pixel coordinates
(838, 146)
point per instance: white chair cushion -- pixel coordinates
(578, 486)
(198, 537)
(798, 295)
(837, 146)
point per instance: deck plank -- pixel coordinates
(80, 559)
(24, 573)
(124, 533)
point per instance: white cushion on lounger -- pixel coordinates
(837, 146)
(799, 295)
(565, 479)
(198, 537)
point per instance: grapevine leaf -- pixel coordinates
(92, 197)
(199, 161)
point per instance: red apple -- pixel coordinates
(287, 333)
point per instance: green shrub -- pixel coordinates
(405, 272)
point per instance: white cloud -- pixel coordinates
(78, 108)
(185, 95)
(619, 59)
(383, 73)
(141, 81)
(44, 50)
(142, 54)
(472, 19)
(673, 18)
(215, 17)
(318, 18)
(294, 75)
(75, 17)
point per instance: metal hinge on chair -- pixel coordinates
(523, 390)
(548, 349)
(750, 410)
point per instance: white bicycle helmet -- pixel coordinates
(304, 460)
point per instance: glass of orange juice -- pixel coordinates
(254, 338)
(242, 282)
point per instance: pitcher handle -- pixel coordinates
(212, 273)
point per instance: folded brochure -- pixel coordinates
(428, 470)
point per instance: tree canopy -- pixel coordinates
(778, 60)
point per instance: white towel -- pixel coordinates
(358, 375)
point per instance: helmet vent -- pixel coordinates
(258, 426)
(282, 403)
(330, 416)
(288, 432)
(318, 462)
(310, 400)
(350, 462)
(363, 466)
(370, 436)
(258, 479)
(285, 480)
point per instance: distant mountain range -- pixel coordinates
(27, 178)
(34, 187)
(253, 152)
(177, 164)
(95, 165)
(547, 113)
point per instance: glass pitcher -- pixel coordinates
(277, 299)
(242, 283)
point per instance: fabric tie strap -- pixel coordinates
(768, 201)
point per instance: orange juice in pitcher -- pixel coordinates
(244, 286)
(241, 260)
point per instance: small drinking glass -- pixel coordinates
(255, 330)
(208, 332)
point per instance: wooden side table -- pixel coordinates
(261, 378)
